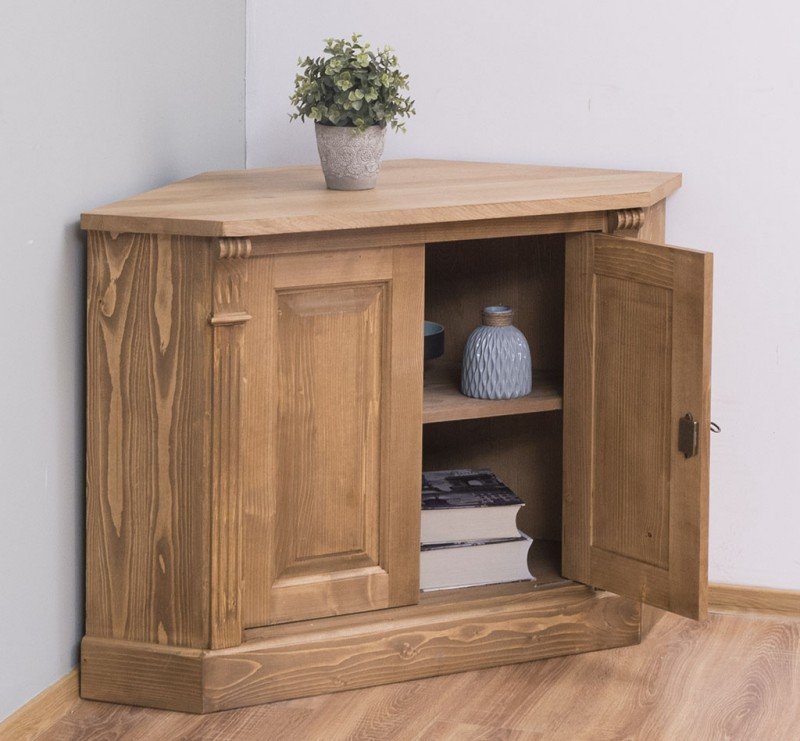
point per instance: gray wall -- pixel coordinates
(99, 99)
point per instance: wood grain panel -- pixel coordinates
(655, 223)
(330, 357)
(258, 509)
(444, 402)
(691, 383)
(331, 380)
(293, 200)
(632, 261)
(142, 674)
(402, 448)
(334, 491)
(637, 359)
(229, 314)
(148, 437)
(418, 641)
(477, 627)
(355, 266)
(633, 369)
(398, 236)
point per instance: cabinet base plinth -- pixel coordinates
(446, 633)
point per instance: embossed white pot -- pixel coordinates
(497, 359)
(351, 159)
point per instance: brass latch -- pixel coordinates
(688, 434)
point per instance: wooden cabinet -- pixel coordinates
(258, 417)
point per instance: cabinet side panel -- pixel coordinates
(148, 435)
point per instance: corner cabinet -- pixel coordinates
(258, 418)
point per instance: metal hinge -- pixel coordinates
(688, 434)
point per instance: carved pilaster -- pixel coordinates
(228, 319)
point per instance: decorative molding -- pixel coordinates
(229, 294)
(514, 623)
(736, 598)
(234, 247)
(230, 317)
(226, 491)
(40, 713)
(626, 219)
(144, 674)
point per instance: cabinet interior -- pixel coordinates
(520, 440)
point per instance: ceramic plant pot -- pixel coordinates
(351, 159)
(497, 359)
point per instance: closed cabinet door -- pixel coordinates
(636, 420)
(333, 434)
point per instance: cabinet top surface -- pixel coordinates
(293, 200)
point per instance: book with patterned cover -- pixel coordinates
(467, 505)
(465, 487)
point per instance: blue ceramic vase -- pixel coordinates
(497, 359)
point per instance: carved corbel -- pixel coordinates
(234, 247)
(625, 219)
(230, 279)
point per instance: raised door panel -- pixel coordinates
(330, 352)
(637, 360)
(332, 516)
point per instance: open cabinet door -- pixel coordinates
(637, 362)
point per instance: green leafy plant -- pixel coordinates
(352, 85)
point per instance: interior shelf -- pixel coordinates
(443, 402)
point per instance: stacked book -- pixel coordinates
(469, 531)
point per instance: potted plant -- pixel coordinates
(351, 93)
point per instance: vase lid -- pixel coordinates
(497, 316)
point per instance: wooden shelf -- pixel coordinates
(443, 402)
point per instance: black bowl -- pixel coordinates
(434, 340)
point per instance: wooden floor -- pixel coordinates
(734, 677)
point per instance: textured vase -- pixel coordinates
(497, 359)
(351, 159)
